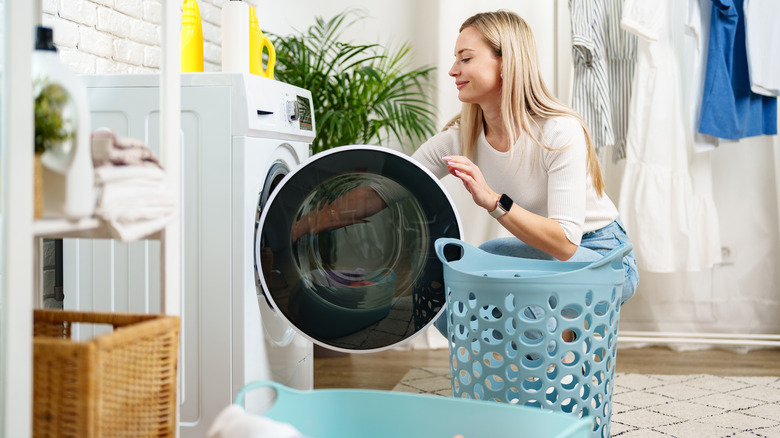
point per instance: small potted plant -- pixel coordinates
(51, 129)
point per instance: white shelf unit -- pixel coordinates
(21, 234)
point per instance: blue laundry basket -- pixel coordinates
(362, 413)
(537, 333)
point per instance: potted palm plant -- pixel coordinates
(362, 93)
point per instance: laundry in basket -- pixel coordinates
(235, 422)
(361, 413)
(540, 333)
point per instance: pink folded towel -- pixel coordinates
(110, 149)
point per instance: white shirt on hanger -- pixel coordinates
(697, 27)
(673, 226)
(762, 37)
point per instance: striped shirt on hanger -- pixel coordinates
(604, 58)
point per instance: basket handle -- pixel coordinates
(442, 243)
(281, 390)
(614, 257)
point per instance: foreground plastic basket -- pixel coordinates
(121, 383)
(538, 333)
(358, 413)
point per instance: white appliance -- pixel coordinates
(241, 134)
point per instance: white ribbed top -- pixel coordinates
(551, 183)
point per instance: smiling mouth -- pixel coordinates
(460, 84)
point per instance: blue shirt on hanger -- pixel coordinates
(729, 108)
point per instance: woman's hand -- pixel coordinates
(473, 180)
(540, 232)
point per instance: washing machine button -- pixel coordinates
(292, 110)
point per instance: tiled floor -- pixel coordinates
(653, 405)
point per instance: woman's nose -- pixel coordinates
(453, 71)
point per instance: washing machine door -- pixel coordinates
(346, 248)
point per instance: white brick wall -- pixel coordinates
(123, 36)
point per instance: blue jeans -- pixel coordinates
(594, 246)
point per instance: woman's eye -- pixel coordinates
(465, 60)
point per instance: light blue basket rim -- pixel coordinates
(287, 399)
(547, 270)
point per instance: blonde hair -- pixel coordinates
(523, 93)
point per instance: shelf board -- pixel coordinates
(83, 228)
(64, 227)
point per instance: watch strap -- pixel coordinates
(497, 212)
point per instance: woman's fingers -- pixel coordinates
(461, 164)
(472, 179)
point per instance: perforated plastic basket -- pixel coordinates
(359, 413)
(533, 332)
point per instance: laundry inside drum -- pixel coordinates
(365, 242)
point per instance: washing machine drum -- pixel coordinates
(345, 247)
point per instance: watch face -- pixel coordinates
(505, 202)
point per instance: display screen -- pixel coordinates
(305, 114)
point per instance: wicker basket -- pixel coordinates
(122, 383)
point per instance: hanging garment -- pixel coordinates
(762, 36)
(729, 108)
(672, 227)
(697, 28)
(604, 58)
(691, 54)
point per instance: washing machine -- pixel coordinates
(241, 135)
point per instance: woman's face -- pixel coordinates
(477, 70)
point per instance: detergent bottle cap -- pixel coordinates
(44, 39)
(190, 13)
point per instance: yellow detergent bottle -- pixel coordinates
(191, 38)
(257, 42)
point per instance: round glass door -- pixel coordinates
(346, 248)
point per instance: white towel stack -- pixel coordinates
(134, 199)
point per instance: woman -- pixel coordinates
(524, 157)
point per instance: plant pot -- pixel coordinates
(37, 187)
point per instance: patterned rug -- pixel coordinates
(682, 406)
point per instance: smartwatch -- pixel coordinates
(502, 206)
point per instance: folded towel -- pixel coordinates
(133, 199)
(234, 422)
(137, 174)
(110, 149)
